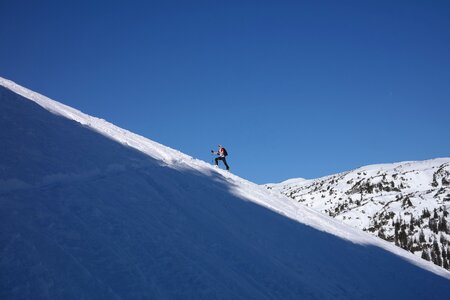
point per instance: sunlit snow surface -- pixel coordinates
(93, 211)
(373, 197)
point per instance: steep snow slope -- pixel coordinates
(405, 203)
(92, 211)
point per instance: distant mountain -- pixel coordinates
(404, 203)
(92, 211)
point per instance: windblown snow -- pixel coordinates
(92, 211)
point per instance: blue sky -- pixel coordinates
(291, 88)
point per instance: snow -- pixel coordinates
(341, 195)
(91, 210)
(292, 181)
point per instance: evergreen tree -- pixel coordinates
(442, 226)
(403, 238)
(433, 256)
(421, 236)
(411, 223)
(445, 263)
(425, 254)
(396, 232)
(444, 255)
(443, 240)
(410, 244)
(425, 213)
(438, 260)
(437, 251)
(433, 226)
(381, 234)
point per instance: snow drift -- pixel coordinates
(92, 211)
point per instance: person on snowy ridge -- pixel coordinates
(222, 152)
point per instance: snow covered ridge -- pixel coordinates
(166, 227)
(405, 203)
(154, 149)
(174, 158)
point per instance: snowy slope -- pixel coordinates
(405, 203)
(89, 210)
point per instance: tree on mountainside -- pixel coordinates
(425, 254)
(421, 236)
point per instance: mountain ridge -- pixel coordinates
(91, 210)
(385, 199)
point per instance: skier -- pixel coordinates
(222, 152)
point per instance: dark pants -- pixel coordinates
(224, 161)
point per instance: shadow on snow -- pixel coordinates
(83, 216)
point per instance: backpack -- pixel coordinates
(225, 153)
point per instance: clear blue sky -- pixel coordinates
(291, 88)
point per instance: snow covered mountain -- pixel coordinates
(404, 203)
(92, 211)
